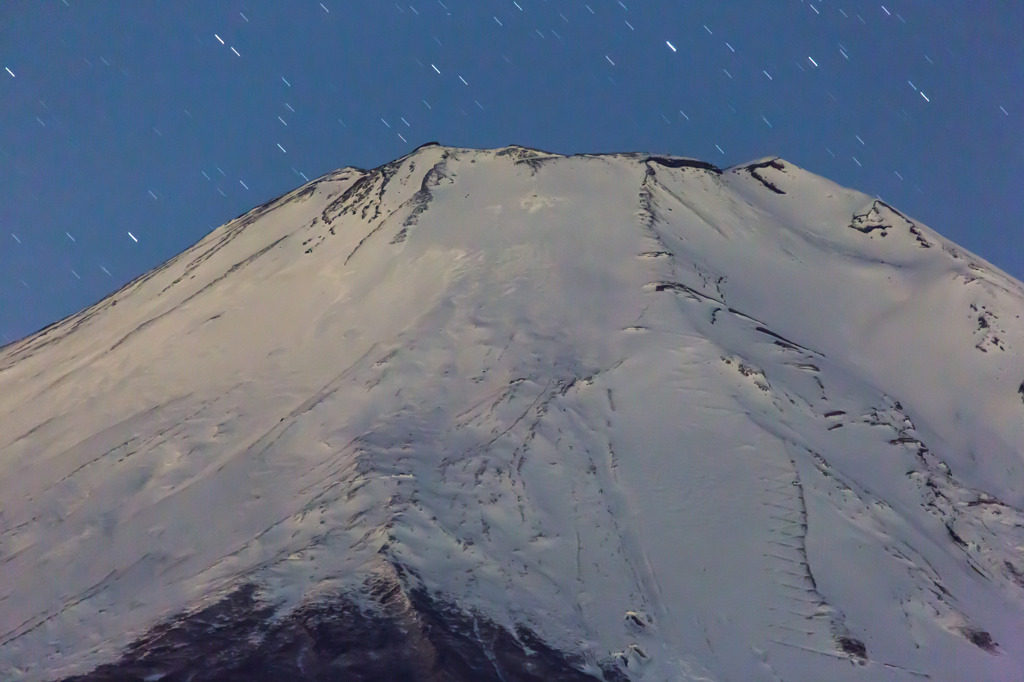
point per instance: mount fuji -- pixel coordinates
(511, 415)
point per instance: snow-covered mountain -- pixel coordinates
(510, 415)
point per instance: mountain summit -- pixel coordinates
(511, 415)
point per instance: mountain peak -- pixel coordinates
(509, 414)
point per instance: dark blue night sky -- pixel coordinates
(158, 121)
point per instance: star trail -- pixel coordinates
(139, 127)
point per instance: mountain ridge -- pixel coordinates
(641, 416)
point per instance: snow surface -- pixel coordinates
(704, 425)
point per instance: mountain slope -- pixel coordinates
(505, 414)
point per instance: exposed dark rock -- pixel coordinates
(780, 340)
(533, 158)
(774, 163)
(637, 621)
(669, 162)
(870, 221)
(955, 537)
(853, 646)
(671, 286)
(535, 162)
(883, 217)
(526, 155)
(389, 634)
(518, 150)
(922, 242)
(1016, 574)
(356, 192)
(980, 639)
(421, 200)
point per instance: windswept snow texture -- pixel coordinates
(504, 414)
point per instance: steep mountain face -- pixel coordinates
(508, 415)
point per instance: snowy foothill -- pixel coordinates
(635, 416)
